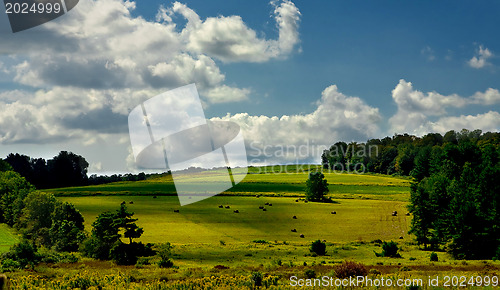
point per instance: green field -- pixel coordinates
(7, 238)
(217, 244)
(205, 222)
(370, 186)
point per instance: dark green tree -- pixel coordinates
(316, 186)
(67, 230)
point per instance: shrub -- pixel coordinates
(390, 249)
(318, 247)
(434, 257)
(310, 274)
(24, 253)
(141, 262)
(9, 265)
(165, 263)
(257, 278)
(350, 269)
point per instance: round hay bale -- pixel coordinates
(294, 217)
(302, 235)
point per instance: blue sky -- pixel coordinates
(337, 70)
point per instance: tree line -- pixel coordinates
(455, 192)
(51, 230)
(64, 170)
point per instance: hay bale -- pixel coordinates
(154, 196)
(294, 230)
(176, 210)
(294, 217)
(236, 211)
(394, 213)
(296, 200)
(264, 209)
(302, 235)
(221, 206)
(267, 203)
(407, 214)
(261, 207)
(401, 237)
(123, 202)
(334, 212)
(270, 204)
(131, 202)
(227, 206)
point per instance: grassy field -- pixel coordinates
(7, 238)
(218, 248)
(292, 184)
(205, 222)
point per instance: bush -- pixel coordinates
(318, 247)
(127, 254)
(9, 265)
(434, 257)
(165, 263)
(350, 269)
(142, 261)
(257, 278)
(390, 249)
(310, 274)
(24, 253)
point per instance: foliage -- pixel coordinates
(105, 240)
(37, 217)
(310, 273)
(67, 230)
(455, 204)
(65, 169)
(350, 269)
(318, 247)
(22, 254)
(164, 252)
(13, 190)
(316, 186)
(390, 249)
(434, 257)
(257, 278)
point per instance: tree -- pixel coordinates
(13, 190)
(67, 230)
(124, 220)
(105, 241)
(316, 186)
(68, 169)
(37, 217)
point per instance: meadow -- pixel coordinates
(217, 248)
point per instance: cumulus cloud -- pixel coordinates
(229, 39)
(337, 117)
(480, 60)
(102, 46)
(416, 110)
(83, 74)
(489, 121)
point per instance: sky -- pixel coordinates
(290, 73)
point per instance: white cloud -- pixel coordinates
(489, 121)
(229, 39)
(417, 109)
(337, 117)
(480, 60)
(224, 94)
(102, 46)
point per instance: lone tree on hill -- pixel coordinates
(316, 186)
